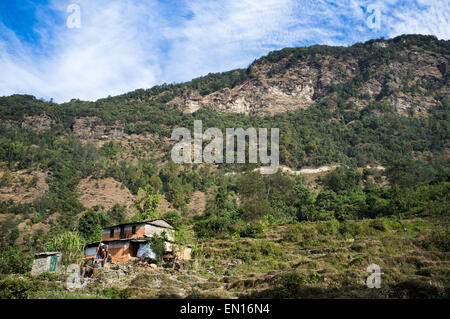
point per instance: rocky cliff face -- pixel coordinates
(403, 80)
(87, 129)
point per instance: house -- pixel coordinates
(132, 240)
(46, 262)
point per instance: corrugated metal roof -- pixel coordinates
(48, 253)
(151, 222)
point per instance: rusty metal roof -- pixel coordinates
(48, 253)
(150, 222)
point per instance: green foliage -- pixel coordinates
(172, 217)
(116, 293)
(14, 260)
(253, 229)
(437, 240)
(291, 286)
(328, 228)
(91, 224)
(333, 130)
(379, 224)
(405, 172)
(70, 244)
(341, 179)
(12, 288)
(6, 179)
(117, 214)
(146, 204)
(109, 150)
(293, 233)
(156, 183)
(157, 245)
(181, 235)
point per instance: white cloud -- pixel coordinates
(123, 45)
(107, 55)
(433, 19)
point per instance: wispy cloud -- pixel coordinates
(123, 45)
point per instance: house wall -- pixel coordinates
(90, 252)
(119, 251)
(184, 253)
(140, 232)
(41, 264)
(151, 230)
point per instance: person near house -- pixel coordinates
(102, 252)
(98, 251)
(94, 269)
(87, 267)
(106, 251)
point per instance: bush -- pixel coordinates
(172, 217)
(71, 244)
(293, 233)
(158, 246)
(439, 240)
(6, 179)
(378, 224)
(291, 286)
(116, 293)
(254, 230)
(13, 261)
(328, 228)
(350, 227)
(260, 250)
(11, 288)
(309, 231)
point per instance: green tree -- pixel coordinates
(156, 183)
(91, 224)
(158, 245)
(117, 214)
(71, 244)
(146, 204)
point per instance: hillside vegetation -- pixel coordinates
(377, 112)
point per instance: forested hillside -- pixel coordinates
(377, 111)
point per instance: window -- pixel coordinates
(122, 230)
(111, 233)
(133, 230)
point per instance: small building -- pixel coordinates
(132, 240)
(46, 262)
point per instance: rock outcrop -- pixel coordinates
(401, 79)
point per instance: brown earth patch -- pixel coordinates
(21, 188)
(105, 192)
(198, 202)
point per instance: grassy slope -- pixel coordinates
(303, 260)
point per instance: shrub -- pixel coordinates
(309, 231)
(293, 233)
(11, 288)
(116, 293)
(254, 229)
(158, 246)
(328, 228)
(13, 260)
(439, 240)
(6, 179)
(260, 250)
(378, 224)
(172, 217)
(70, 244)
(351, 228)
(291, 285)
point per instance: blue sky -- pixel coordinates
(123, 45)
